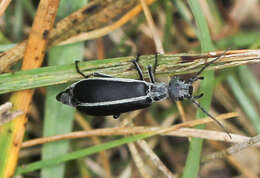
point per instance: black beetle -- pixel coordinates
(105, 95)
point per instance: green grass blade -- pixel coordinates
(245, 102)
(239, 40)
(168, 25)
(17, 29)
(79, 154)
(168, 64)
(249, 80)
(193, 160)
(58, 118)
(29, 8)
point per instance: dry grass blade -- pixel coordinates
(92, 16)
(156, 38)
(233, 149)
(103, 156)
(107, 29)
(198, 122)
(127, 131)
(3, 6)
(138, 160)
(181, 111)
(208, 134)
(155, 159)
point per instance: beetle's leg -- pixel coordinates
(197, 97)
(195, 78)
(151, 70)
(135, 62)
(96, 74)
(155, 63)
(116, 116)
(151, 75)
(77, 69)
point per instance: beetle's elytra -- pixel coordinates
(104, 95)
(111, 96)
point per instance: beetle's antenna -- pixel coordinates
(77, 69)
(207, 64)
(203, 110)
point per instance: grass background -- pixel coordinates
(183, 27)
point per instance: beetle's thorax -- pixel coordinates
(179, 89)
(158, 91)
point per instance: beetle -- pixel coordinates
(105, 95)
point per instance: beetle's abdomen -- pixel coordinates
(110, 96)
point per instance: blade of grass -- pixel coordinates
(17, 29)
(4, 5)
(93, 34)
(250, 81)
(81, 153)
(168, 25)
(58, 118)
(112, 144)
(244, 101)
(184, 10)
(167, 65)
(239, 40)
(193, 160)
(11, 134)
(99, 13)
(29, 8)
(215, 13)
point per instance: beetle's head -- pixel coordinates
(179, 89)
(65, 97)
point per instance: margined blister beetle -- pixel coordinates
(105, 95)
